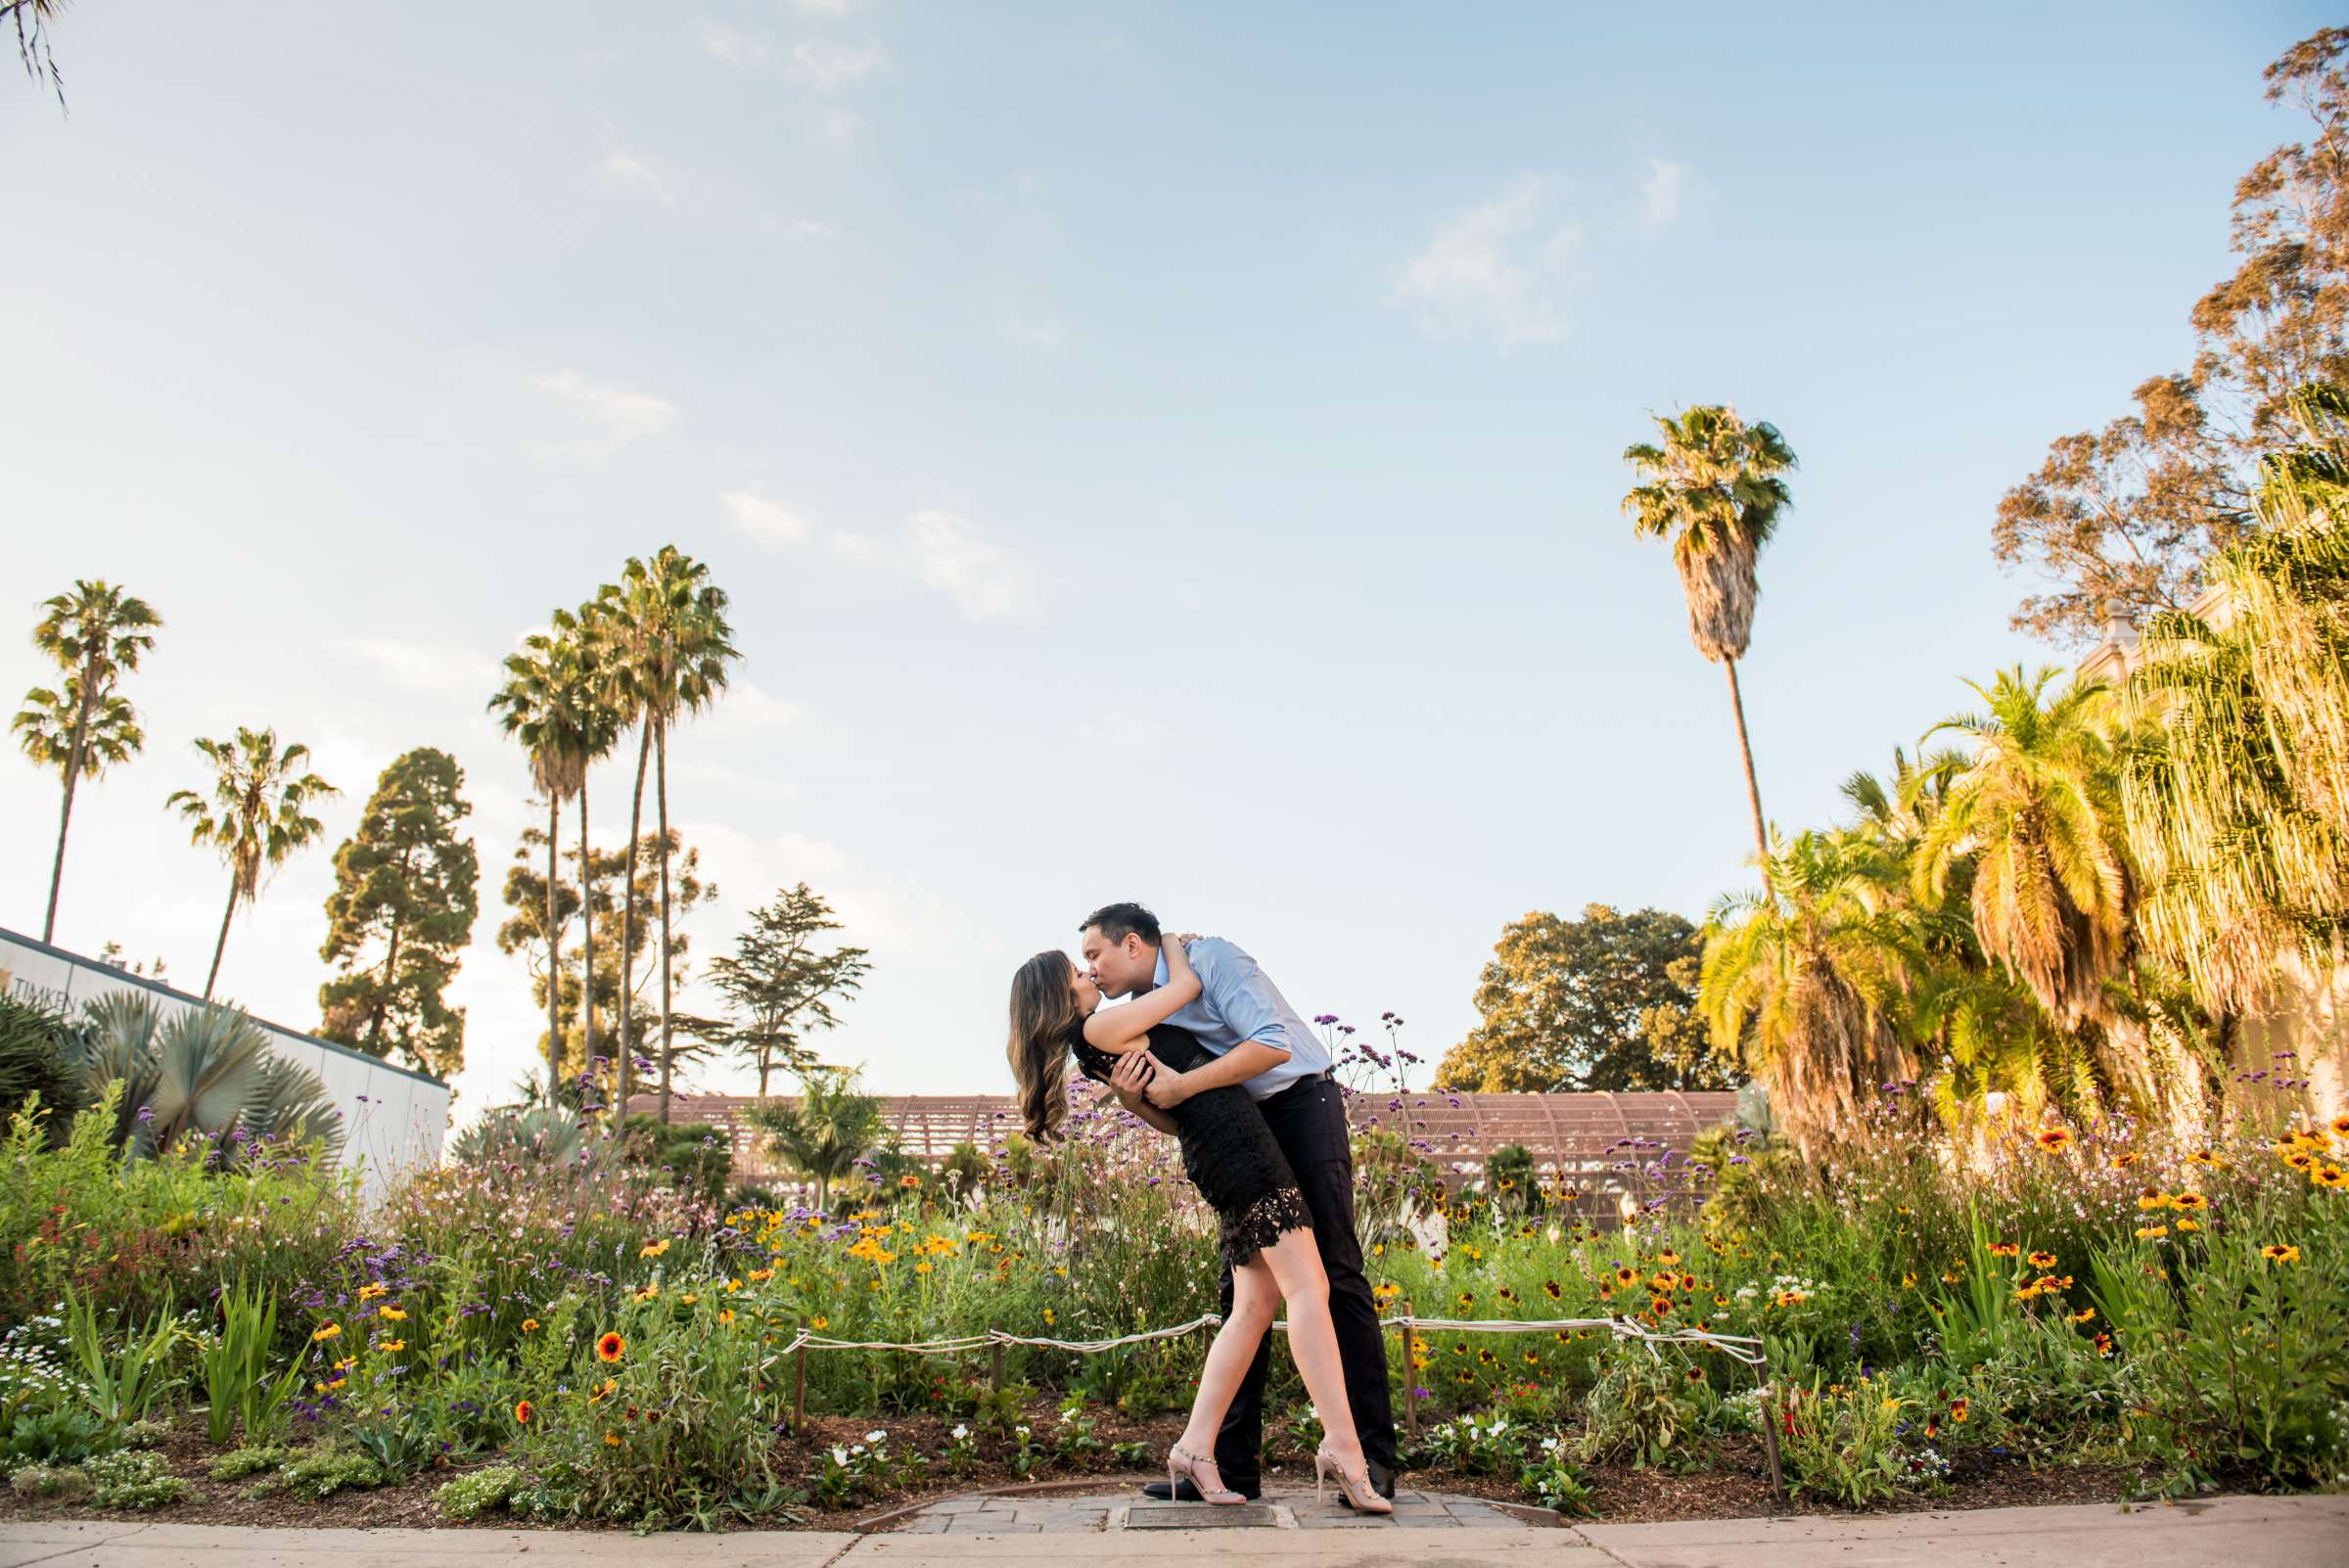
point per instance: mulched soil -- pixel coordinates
(1734, 1482)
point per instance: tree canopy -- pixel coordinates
(406, 894)
(1607, 1002)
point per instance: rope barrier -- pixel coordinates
(1739, 1346)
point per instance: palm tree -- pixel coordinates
(1713, 487)
(549, 703)
(832, 1124)
(95, 634)
(2036, 817)
(1805, 980)
(668, 627)
(256, 817)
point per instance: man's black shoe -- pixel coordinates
(1184, 1491)
(1382, 1481)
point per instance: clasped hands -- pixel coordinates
(1142, 1079)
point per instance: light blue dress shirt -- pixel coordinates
(1237, 1001)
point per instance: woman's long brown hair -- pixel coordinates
(1042, 1012)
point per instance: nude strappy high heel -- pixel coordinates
(1183, 1465)
(1362, 1493)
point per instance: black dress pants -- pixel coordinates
(1308, 1122)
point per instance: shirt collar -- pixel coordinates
(1160, 978)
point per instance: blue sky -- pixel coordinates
(1165, 453)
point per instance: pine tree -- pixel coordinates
(406, 893)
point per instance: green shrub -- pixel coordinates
(67, 1435)
(1843, 1443)
(1644, 1409)
(1553, 1483)
(136, 1481)
(323, 1470)
(49, 1481)
(251, 1459)
(478, 1492)
(2235, 1333)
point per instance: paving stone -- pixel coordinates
(982, 1524)
(926, 1524)
(1200, 1516)
(958, 1506)
(1478, 1512)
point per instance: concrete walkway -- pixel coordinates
(2292, 1531)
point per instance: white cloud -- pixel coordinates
(626, 415)
(1033, 336)
(761, 519)
(827, 8)
(943, 551)
(840, 125)
(804, 229)
(1666, 186)
(733, 46)
(828, 67)
(638, 174)
(748, 706)
(1503, 270)
(430, 667)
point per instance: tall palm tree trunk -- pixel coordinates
(64, 818)
(586, 929)
(661, 795)
(1745, 750)
(554, 959)
(627, 937)
(221, 945)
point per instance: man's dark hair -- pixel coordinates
(1117, 921)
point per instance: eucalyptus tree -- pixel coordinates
(550, 706)
(1713, 486)
(1807, 980)
(666, 625)
(95, 634)
(255, 816)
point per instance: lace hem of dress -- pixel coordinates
(1261, 1223)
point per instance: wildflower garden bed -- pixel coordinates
(2062, 1314)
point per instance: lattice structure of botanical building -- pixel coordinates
(1585, 1145)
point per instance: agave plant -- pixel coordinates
(538, 1135)
(33, 1061)
(203, 1075)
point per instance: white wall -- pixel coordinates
(393, 1118)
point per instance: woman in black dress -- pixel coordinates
(1230, 1155)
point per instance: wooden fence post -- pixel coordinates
(1770, 1434)
(996, 1376)
(1410, 1372)
(798, 1393)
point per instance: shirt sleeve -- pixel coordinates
(1239, 994)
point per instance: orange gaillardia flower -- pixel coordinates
(2279, 1252)
(2004, 1249)
(522, 1412)
(611, 1348)
(2054, 1138)
(2042, 1259)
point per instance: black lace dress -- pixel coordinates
(1227, 1151)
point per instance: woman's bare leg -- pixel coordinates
(1253, 1296)
(1296, 1266)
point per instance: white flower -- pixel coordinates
(840, 1457)
(961, 1432)
(876, 1437)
